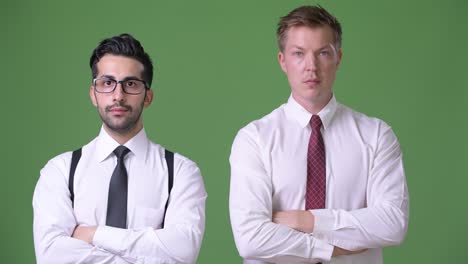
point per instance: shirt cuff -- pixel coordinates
(329, 220)
(110, 239)
(324, 221)
(322, 251)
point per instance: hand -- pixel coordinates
(337, 251)
(299, 220)
(85, 233)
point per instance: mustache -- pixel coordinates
(126, 107)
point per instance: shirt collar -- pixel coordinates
(105, 145)
(296, 112)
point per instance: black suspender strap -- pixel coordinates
(169, 155)
(75, 158)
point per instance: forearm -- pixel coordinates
(261, 239)
(372, 227)
(348, 229)
(176, 244)
(64, 249)
(303, 221)
(53, 244)
(257, 236)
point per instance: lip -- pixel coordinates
(312, 82)
(118, 110)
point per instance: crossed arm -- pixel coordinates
(303, 221)
(293, 236)
(383, 222)
(84, 233)
(58, 238)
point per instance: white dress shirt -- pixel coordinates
(367, 204)
(144, 241)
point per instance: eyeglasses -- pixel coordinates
(129, 86)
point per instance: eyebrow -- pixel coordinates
(297, 47)
(124, 79)
(326, 46)
(321, 48)
(107, 76)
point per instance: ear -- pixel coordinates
(148, 98)
(281, 61)
(92, 96)
(340, 54)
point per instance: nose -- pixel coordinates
(311, 63)
(118, 94)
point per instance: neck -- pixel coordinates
(122, 138)
(314, 105)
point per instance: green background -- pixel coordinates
(215, 71)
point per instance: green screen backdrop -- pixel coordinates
(216, 70)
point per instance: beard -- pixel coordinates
(122, 125)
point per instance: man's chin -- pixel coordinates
(313, 95)
(308, 95)
(121, 128)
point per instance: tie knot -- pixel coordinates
(121, 151)
(316, 123)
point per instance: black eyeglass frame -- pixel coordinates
(117, 83)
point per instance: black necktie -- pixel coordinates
(117, 201)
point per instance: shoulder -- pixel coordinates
(181, 162)
(263, 125)
(187, 173)
(368, 126)
(59, 163)
(347, 113)
(58, 167)
(255, 136)
(54, 175)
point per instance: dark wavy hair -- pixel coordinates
(124, 45)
